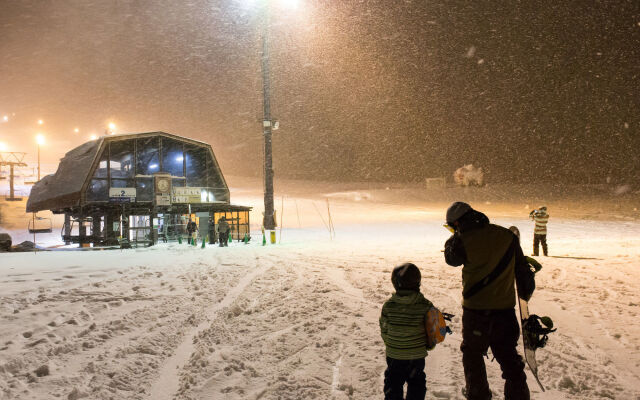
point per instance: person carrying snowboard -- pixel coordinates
(489, 254)
(404, 323)
(541, 217)
(223, 231)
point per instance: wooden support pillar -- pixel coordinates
(82, 232)
(67, 228)
(96, 228)
(153, 230)
(110, 234)
(125, 225)
(11, 189)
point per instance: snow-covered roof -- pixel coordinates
(65, 188)
(62, 189)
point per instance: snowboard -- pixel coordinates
(529, 350)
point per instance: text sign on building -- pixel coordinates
(122, 195)
(191, 195)
(163, 200)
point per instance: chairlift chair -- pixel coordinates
(44, 226)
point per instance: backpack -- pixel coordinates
(436, 327)
(537, 330)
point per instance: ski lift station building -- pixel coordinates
(139, 187)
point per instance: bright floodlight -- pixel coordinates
(76, 130)
(94, 137)
(112, 126)
(40, 122)
(248, 3)
(40, 139)
(3, 147)
(290, 4)
(5, 118)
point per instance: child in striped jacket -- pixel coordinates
(402, 326)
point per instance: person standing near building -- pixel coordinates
(212, 231)
(490, 255)
(223, 231)
(192, 228)
(541, 217)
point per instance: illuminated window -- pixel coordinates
(172, 157)
(147, 156)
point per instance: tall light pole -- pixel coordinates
(40, 141)
(269, 219)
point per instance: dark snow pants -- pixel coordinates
(400, 371)
(224, 238)
(499, 330)
(542, 239)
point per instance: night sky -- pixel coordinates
(364, 90)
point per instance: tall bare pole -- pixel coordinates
(268, 220)
(38, 161)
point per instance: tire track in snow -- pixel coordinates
(335, 383)
(168, 381)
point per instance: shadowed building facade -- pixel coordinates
(139, 187)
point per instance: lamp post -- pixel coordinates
(40, 141)
(268, 219)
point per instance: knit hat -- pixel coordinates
(515, 230)
(456, 211)
(406, 277)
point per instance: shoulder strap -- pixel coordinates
(499, 269)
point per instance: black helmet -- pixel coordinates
(456, 211)
(406, 277)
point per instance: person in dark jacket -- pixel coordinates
(402, 326)
(223, 231)
(489, 254)
(192, 227)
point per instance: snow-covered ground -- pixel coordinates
(299, 320)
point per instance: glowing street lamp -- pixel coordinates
(39, 141)
(5, 118)
(111, 128)
(40, 122)
(76, 130)
(3, 146)
(268, 124)
(93, 137)
(290, 4)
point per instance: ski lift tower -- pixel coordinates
(12, 159)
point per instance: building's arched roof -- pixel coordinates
(64, 189)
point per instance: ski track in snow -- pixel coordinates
(300, 320)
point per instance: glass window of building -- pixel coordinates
(121, 159)
(147, 156)
(172, 157)
(98, 190)
(144, 189)
(101, 168)
(196, 166)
